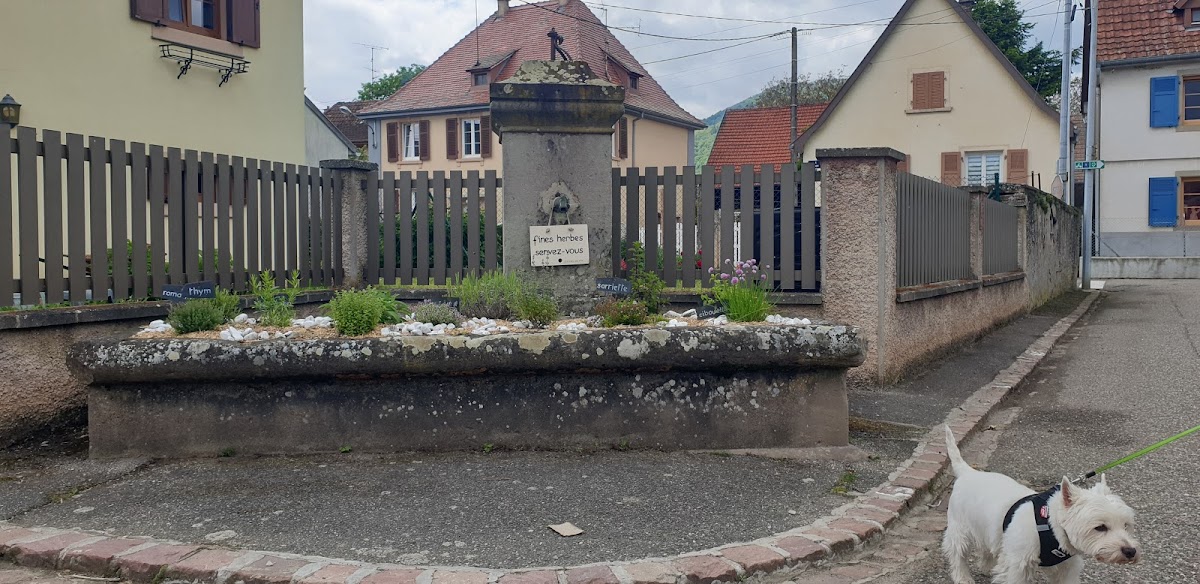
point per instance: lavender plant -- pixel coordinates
(741, 288)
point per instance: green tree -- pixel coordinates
(385, 86)
(809, 90)
(1002, 21)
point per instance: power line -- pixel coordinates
(760, 21)
(778, 34)
(638, 32)
(752, 25)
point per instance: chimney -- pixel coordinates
(563, 2)
(501, 7)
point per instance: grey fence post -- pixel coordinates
(976, 239)
(350, 177)
(858, 271)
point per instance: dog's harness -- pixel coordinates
(1051, 553)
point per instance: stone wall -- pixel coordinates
(906, 327)
(36, 388)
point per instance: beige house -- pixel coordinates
(935, 87)
(440, 121)
(217, 76)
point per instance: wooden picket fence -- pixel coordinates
(135, 217)
(688, 222)
(442, 226)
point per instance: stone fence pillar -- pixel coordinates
(350, 180)
(858, 271)
(555, 120)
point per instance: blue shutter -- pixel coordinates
(1164, 102)
(1163, 200)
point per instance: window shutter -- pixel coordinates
(1018, 167)
(423, 135)
(951, 169)
(452, 139)
(936, 98)
(1163, 200)
(623, 139)
(393, 141)
(920, 91)
(149, 10)
(1164, 102)
(485, 136)
(244, 23)
(903, 165)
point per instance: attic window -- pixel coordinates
(633, 80)
(480, 78)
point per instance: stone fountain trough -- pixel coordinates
(730, 387)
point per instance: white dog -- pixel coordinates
(1016, 531)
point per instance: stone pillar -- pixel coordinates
(350, 179)
(555, 120)
(976, 238)
(858, 272)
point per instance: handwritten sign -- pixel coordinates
(614, 286)
(559, 245)
(709, 311)
(181, 292)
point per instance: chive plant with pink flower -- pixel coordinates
(741, 288)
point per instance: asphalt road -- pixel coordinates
(1130, 376)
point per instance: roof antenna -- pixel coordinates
(477, 33)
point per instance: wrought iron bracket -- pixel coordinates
(226, 65)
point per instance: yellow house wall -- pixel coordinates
(652, 143)
(656, 144)
(89, 68)
(988, 110)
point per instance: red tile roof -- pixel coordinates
(522, 31)
(348, 125)
(1132, 29)
(760, 135)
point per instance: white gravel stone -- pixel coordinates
(718, 321)
(573, 326)
(779, 319)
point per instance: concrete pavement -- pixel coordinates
(1125, 377)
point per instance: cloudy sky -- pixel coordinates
(337, 60)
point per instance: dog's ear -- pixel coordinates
(1102, 486)
(1070, 494)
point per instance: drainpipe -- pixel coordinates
(633, 139)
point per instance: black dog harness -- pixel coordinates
(1051, 553)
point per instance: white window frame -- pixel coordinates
(412, 142)
(471, 134)
(989, 160)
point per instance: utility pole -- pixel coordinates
(1064, 105)
(1089, 152)
(794, 89)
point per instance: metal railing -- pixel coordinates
(933, 231)
(999, 237)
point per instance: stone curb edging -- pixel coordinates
(145, 560)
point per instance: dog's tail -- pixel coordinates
(957, 463)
